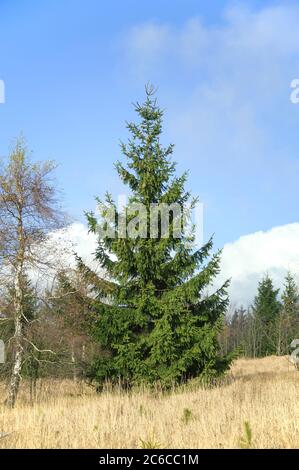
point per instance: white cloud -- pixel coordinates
(75, 239)
(58, 253)
(245, 261)
(250, 257)
(244, 34)
(149, 41)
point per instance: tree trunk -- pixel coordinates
(83, 353)
(33, 379)
(73, 359)
(17, 365)
(279, 334)
(18, 340)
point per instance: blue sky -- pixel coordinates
(72, 69)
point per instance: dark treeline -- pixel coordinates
(269, 325)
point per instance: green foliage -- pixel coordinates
(269, 326)
(266, 310)
(290, 297)
(289, 315)
(266, 305)
(187, 416)
(246, 439)
(154, 319)
(150, 443)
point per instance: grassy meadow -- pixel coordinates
(256, 407)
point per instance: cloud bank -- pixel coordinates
(245, 260)
(249, 258)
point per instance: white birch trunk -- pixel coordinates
(73, 359)
(17, 340)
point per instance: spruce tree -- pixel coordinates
(154, 318)
(289, 315)
(266, 310)
(290, 296)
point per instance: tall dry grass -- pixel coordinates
(262, 392)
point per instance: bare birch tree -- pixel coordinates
(29, 210)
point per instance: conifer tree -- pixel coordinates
(266, 310)
(155, 320)
(288, 326)
(290, 296)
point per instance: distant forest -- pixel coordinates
(269, 325)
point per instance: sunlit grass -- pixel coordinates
(262, 392)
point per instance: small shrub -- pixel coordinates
(187, 416)
(246, 439)
(150, 443)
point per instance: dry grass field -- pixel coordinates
(262, 392)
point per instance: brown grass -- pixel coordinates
(263, 392)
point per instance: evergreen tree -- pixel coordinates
(290, 296)
(154, 318)
(266, 309)
(289, 315)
